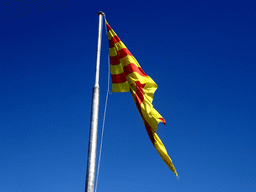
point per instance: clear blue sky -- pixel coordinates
(202, 55)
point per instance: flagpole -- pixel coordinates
(91, 159)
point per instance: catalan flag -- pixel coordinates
(127, 75)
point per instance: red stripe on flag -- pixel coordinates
(149, 131)
(133, 68)
(115, 60)
(139, 92)
(121, 78)
(138, 95)
(108, 27)
(118, 78)
(163, 121)
(113, 40)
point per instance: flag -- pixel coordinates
(128, 76)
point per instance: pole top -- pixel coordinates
(100, 12)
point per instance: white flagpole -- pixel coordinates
(92, 149)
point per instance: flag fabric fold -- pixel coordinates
(128, 76)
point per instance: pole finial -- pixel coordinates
(100, 12)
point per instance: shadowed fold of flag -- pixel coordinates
(128, 76)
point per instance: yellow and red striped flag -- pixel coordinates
(127, 75)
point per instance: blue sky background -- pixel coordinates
(202, 55)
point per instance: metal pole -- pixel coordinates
(91, 159)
